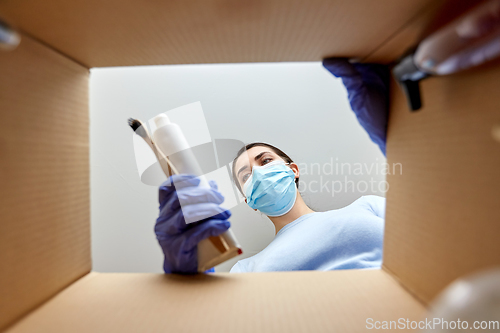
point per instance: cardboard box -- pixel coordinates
(442, 212)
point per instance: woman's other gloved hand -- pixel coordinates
(181, 200)
(368, 91)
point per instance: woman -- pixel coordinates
(345, 238)
(350, 237)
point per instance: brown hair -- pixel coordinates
(278, 152)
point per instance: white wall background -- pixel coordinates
(299, 107)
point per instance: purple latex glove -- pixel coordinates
(179, 240)
(368, 91)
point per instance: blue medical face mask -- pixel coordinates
(271, 188)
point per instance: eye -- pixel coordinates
(245, 177)
(266, 160)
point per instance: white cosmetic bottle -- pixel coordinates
(170, 140)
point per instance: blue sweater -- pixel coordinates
(350, 237)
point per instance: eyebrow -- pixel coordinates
(256, 158)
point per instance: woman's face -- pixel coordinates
(258, 155)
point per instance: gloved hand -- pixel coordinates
(181, 200)
(368, 91)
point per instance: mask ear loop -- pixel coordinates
(292, 170)
(249, 180)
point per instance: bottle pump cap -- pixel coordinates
(161, 120)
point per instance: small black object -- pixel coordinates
(412, 92)
(408, 75)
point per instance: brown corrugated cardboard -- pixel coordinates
(100, 33)
(428, 20)
(407, 37)
(442, 217)
(44, 192)
(337, 301)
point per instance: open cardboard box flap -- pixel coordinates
(223, 302)
(442, 211)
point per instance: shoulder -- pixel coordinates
(371, 199)
(373, 203)
(242, 266)
(237, 268)
(251, 263)
(363, 201)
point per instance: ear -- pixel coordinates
(295, 169)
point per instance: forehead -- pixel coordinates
(248, 156)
